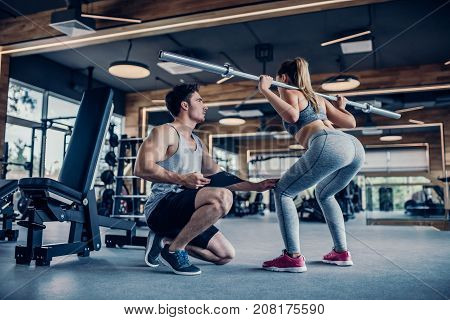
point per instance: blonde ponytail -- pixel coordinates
(304, 82)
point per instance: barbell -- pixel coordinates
(227, 71)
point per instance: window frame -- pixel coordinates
(30, 124)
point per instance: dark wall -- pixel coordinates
(49, 75)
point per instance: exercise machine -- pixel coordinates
(71, 198)
(7, 189)
(422, 203)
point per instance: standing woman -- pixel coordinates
(331, 161)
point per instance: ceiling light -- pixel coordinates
(345, 38)
(281, 135)
(398, 90)
(174, 68)
(409, 109)
(129, 69)
(232, 121)
(340, 83)
(296, 147)
(390, 138)
(96, 16)
(371, 132)
(252, 113)
(71, 23)
(356, 47)
(223, 79)
(416, 121)
(447, 63)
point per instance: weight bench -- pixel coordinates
(7, 189)
(72, 197)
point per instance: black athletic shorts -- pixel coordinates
(173, 212)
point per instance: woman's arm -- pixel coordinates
(289, 109)
(337, 114)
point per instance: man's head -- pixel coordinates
(185, 101)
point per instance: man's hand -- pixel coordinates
(194, 180)
(265, 185)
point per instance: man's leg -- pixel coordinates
(208, 206)
(219, 250)
(211, 204)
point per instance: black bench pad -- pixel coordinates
(7, 186)
(50, 185)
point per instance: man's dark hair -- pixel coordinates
(178, 94)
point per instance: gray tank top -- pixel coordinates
(184, 160)
(305, 117)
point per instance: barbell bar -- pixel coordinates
(227, 71)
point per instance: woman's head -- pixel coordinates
(296, 72)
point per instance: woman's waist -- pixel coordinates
(306, 139)
(303, 136)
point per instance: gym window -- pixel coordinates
(27, 106)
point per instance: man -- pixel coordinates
(181, 206)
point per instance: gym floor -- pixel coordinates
(390, 263)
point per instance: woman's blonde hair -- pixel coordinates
(297, 71)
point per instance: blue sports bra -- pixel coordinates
(305, 117)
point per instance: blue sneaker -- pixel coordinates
(178, 262)
(153, 249)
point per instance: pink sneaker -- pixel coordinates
(338, 258)
(285, 263)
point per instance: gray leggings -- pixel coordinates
(332, 160)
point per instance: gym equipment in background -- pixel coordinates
(422, 203)
(308, 207)
(28, 165)
(7, 189)
(105, 206)
(46, 124)
(386, 199)
(128, 204)
(72, 197)
(227, 71)
(257, 206)
(348, 199)
(240, 207)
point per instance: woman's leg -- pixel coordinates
(305, 173)
(326, 190)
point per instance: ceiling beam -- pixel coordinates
(31, 34)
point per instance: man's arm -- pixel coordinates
(209, 166)
(254, 186)
(153, 150)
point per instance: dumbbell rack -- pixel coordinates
(126, 143)
(136, 197)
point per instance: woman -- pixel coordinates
(331, 161)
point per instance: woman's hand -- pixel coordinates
(341, 102)
(264, 83)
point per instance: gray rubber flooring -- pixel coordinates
(390, 263)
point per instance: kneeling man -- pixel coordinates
(182, 207)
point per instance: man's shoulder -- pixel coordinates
(165, 128)
(162, 132)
